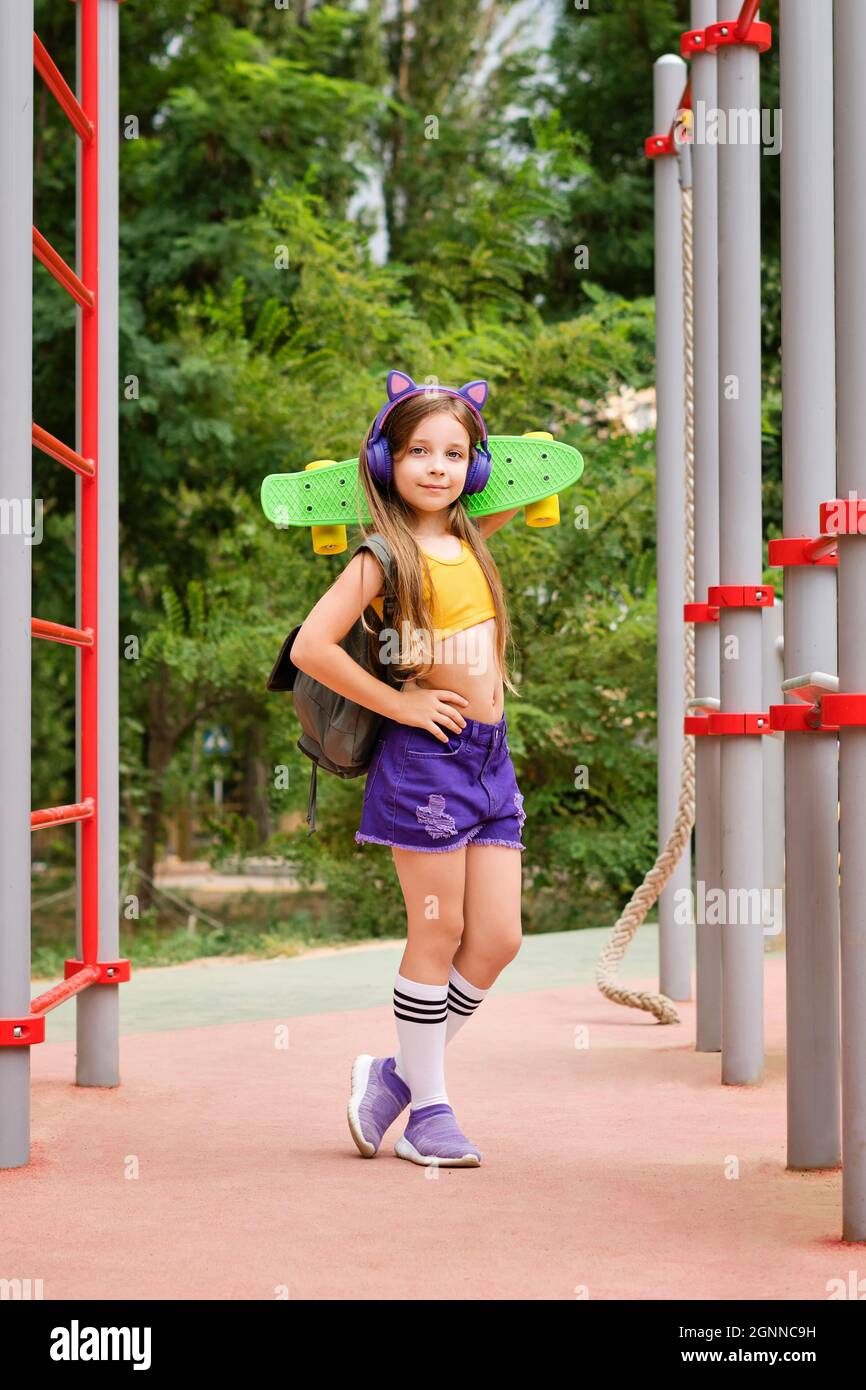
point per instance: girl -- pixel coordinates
(441, 789)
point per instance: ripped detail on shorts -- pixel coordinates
(434, 818)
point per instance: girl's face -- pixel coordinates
(430, 473)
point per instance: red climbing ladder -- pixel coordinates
(97, 1029)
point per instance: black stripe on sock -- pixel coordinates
(409, 1018)
(412, 1001)
(416, 1016)
(464, 998)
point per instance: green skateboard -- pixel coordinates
(529, 470)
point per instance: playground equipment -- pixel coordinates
(93, 976)
(707, 208)
(524, 474)
(823, 56)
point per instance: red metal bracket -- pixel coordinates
(22, 1032)
(700, 613)
(758, 35)
(691, 42)
(720, 723)
(741, 595)
(696, 724)
(800, 719)
(843, 516)
(111, 972)
(803, 550)
(847, 710)
(655, 145)
(724, 723)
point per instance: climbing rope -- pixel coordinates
(643, 898)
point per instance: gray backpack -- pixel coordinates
(339, 735)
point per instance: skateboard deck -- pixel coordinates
(529, 470)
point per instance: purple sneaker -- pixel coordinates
(378, 1097)
(433, 1136)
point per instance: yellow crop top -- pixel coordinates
(461, 594)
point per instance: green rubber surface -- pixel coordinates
(213, 991)
(524, 471)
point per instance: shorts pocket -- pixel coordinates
(423, 744)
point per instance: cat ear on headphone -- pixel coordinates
(398, 382)
(476, 392)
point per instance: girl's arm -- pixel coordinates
(488, 524)
(317, 652)
(316, 648)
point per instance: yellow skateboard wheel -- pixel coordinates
(327, 540)
(546, 511)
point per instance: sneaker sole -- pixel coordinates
(360, 1076)
(404, 1149)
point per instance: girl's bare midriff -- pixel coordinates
(467, 664)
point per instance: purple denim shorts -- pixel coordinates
(424, 794)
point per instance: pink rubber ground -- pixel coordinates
(602, 1168)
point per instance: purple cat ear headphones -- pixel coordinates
(400, 388)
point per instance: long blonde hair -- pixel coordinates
(391, 517)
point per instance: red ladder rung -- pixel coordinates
(60, 89)
(89, 975)
(56, 449)
(63, 274)
(58, 632)
(63, 815)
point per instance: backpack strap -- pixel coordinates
(381, 549)
(311, 803)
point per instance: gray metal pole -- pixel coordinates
(740, 563)
(773, 752)
(708, 935)
(850, 65)
(16, 492)
(97, 1008)
(809, 477)
(669, 79)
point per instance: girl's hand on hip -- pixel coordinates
(427, 709)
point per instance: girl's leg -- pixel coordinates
(433, 886)
(492, 932)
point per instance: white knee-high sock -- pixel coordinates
(420, 1013)
(463, 1000)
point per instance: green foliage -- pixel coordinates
(362, 889)
(232, 837)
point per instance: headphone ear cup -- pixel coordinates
(379, 460)
(478, 472)
(471, 475)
